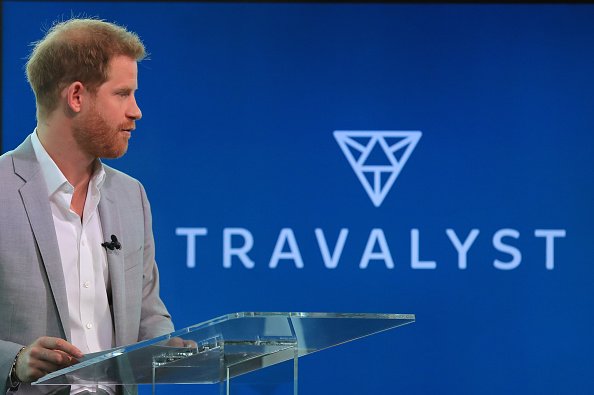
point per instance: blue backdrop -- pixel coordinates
(485, 234)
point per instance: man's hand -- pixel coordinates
(181, 343)
(45, 355)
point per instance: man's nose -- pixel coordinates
(134, 111)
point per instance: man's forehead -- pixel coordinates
(122, 69)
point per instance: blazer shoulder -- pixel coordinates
(120, 183)
(7, 169)
(119, 178)
(6, 160)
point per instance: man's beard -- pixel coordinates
(94, 135)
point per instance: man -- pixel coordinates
(77, 261)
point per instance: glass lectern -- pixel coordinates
(218, 350)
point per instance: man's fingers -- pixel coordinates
(175, 342)
(45, 355)
(67, 359)
(190, 344)
(179, 342)
(54, 343)
(55, 357)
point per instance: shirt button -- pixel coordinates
(89, 326)
(87, 284)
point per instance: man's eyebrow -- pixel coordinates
(123, 90)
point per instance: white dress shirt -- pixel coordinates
(84, 260)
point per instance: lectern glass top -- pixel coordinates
(223, 347)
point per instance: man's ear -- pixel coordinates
(75, 94)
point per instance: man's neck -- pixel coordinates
(76, 165)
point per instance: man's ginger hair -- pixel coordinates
(77, 50)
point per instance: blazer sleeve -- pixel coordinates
(8, 351)
(155, 319)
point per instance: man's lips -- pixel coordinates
(127, 132)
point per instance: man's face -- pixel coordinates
(104, 127)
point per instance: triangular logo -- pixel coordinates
(377, 157)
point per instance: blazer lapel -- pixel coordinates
(110, 223)
(35, 200)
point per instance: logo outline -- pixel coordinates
(347, 141)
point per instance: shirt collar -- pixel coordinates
(54, 178)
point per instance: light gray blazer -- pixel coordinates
(32, 291)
